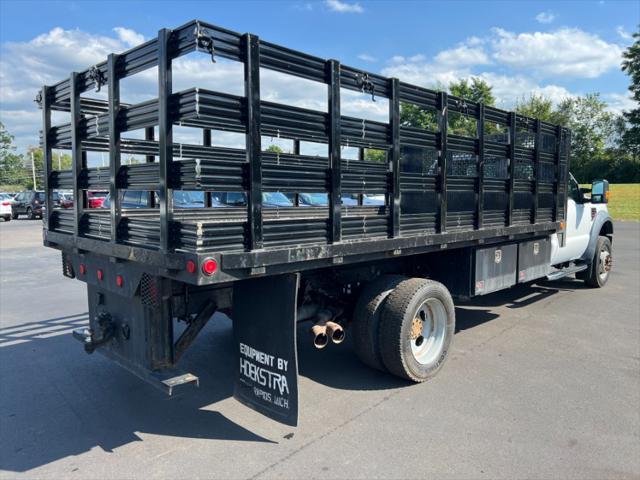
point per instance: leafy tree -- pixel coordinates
(631, 66)
(379, 156)
(476, 90)
(537, 106)
(12, 170)
(413, 116)
(274, 148)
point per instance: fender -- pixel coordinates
(601, 219)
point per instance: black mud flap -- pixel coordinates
(264, 326)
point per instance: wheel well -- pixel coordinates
(607, 230)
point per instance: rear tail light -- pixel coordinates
(100, 274)
(119, 281)
(209, 266)
(6, 203)
(82, 269)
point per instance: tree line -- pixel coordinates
(603, 144)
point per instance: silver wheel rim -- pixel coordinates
(428, 331)
(605, 263)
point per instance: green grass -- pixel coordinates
(624, 201)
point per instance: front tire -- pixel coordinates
(416, 329)
(30, 214)
(600, 264)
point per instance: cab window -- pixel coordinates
(574, 190)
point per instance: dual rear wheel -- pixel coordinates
(404, 326)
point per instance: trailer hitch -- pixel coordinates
(92, 339)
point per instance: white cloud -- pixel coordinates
(508, 90)
(46, 59)
(128, 36)
(568, 52)
(343, 7)
(365, 57)
(619, 102)
(463, 55)
(545, 17)
(620, 30)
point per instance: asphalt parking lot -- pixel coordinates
(543, 382)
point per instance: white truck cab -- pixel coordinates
(584, 247)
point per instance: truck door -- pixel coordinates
(578, 225)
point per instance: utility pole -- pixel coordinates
(33, 170)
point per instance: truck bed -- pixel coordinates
(441, 189)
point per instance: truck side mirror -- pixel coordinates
(600, 191)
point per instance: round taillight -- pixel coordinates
(119, 280)
(100, 274)
(83, 269)
(191, 266)
(209, 266)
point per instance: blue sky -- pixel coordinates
(557, 48)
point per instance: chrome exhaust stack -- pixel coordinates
(319, 334)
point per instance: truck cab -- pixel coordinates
(588, 234)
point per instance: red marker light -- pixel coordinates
(100, 274)
(83, 269)
(209, 266)
(191, 266)
(119, 280)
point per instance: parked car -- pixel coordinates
(30, 203)
(239, 199)
(66, 200)
(5, 206)
(322, 199)
(95, 198)
(181, 199)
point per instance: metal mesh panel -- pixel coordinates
(525, 139)
(149, 292)
(548, 143)
(495, 167)
(419, 160)
(524, 170)
(547, 172)
(462, 164)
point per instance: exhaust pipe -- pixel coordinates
(335, 332)
(319, 334)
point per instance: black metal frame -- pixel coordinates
(246, 240)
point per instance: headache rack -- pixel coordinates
(506, 178)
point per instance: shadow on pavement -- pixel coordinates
(56, 401)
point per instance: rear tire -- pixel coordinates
(7, 218)
(600, 268)
(416, 329)
(366, 319)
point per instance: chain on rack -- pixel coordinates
(366, 85)
(204, 41)
(97, 76)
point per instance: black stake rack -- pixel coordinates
(442, 189)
